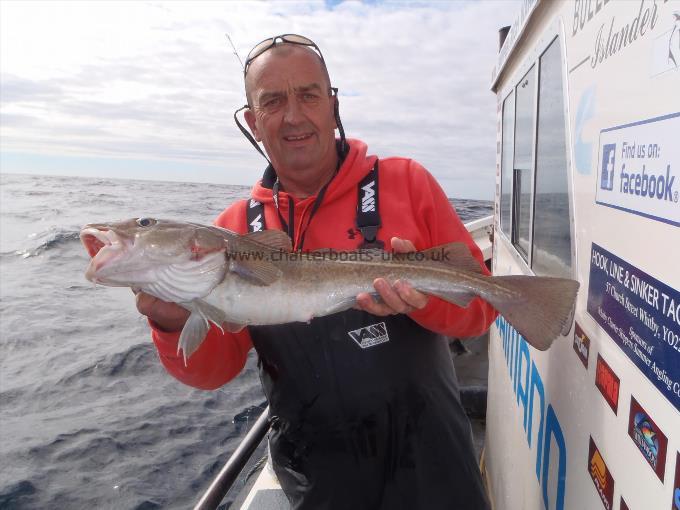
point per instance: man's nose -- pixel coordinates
(293, 110)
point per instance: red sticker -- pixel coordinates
(608, 383)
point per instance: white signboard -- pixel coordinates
(639, 168)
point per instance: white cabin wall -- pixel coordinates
(625, 88)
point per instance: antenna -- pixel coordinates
(235, 52)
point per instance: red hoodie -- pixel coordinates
(412, 206)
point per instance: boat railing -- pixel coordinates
(481, 231)
(214, 495)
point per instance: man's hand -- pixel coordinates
(397, 298)
(171, 317)
(167, 316)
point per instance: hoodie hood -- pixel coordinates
(355, 166)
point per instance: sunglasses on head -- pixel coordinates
(270, 42)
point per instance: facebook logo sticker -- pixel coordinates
(607, 176)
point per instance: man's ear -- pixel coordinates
(250, 119)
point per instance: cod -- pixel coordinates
(255, 279)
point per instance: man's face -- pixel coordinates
(291, 110)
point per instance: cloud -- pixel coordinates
(159, 80)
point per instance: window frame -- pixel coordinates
(514, 236)
(512, 148)
(533, 58)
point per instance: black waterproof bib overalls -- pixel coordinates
(365, 410)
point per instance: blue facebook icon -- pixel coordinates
(607, 175)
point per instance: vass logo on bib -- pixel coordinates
(367, 200)
(369, 336)
(256, 222)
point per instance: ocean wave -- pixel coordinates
(17, 495)
(137, 360)
(148, 505)
(250, 414)
(49, 239)
(469, 210)
(101, 450)
(8, 397)
(46, 450)
(38, 193)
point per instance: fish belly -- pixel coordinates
(283, 301)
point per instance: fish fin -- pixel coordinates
(340, 306)
(455, 254)
(209, 313)
(192, 335)
(275, 239)
(461, 299)
(348, 303)
(539, 308)
(253, 259)
(259, 272)
(217, 317)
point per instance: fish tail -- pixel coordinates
(540, 309)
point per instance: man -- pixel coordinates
(364, 406)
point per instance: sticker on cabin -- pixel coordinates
(638, 170)
(676, 486)
(666, 46)
(581, 345)
(641, 315)
(602, 478)
(648, 437)
(608, 383)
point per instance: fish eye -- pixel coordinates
(145, 222)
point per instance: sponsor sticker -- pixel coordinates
(602, 478)
(641, 315)
(649, 439)
(608, 383)
(581, 345)
(639, 168)
(676, 486)
(369, 336)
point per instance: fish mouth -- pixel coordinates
(103, 245)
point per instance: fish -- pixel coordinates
(229, 279)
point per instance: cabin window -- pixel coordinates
(522, 169)
(506, 162)
(552, 234)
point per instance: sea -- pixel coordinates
(88, 416)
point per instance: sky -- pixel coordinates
(147, 90)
